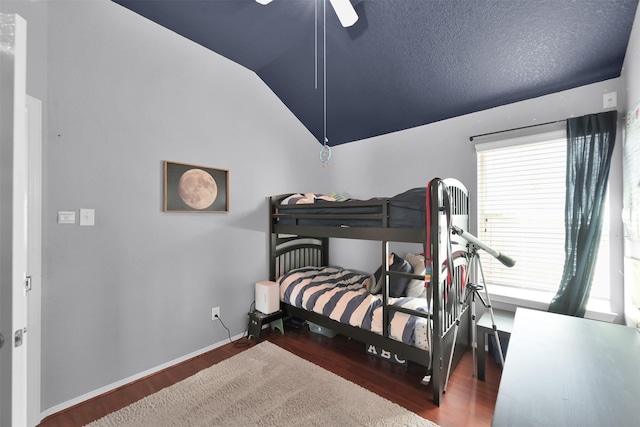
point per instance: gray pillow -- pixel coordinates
(397, 285)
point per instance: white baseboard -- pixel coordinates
(68, 404)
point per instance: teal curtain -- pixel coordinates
(590, 141)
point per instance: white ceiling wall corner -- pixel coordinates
(630, 100)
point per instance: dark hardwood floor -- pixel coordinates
(467, 402)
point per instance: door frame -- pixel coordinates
(34, 259)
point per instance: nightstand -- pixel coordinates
(484, 327)
(257, 319)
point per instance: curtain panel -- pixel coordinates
(590, 142)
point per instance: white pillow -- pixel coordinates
(416, 288)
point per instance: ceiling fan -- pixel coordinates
(344, 9)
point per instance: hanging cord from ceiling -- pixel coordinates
(315, 23)
(325, 151)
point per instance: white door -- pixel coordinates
(13, 221)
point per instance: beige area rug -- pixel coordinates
(263, 386)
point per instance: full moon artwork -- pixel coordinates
(194, 188)
(197, 189)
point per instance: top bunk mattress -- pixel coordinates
(405, 210)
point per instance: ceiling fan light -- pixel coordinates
(345, 11)
(264, 1)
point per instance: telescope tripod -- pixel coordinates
(472, 291)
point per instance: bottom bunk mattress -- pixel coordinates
(342, 295)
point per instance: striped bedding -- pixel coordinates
(342, 295)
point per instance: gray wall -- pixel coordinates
(122, 95)
(136, 290)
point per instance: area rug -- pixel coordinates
(263, 386)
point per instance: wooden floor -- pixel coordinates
(467, 402)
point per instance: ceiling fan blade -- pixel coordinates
(343, 8)
(345, 11)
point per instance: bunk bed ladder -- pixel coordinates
(385, 294)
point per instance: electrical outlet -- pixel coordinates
(215, 313)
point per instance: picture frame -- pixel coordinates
(194, 188)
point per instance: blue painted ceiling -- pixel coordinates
(406, 63)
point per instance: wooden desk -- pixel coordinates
(568, 371)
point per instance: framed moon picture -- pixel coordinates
(192, 188)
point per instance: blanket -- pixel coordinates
(341, 294)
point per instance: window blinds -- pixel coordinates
(521, 200)
(521, 209)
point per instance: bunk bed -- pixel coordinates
(299, 253)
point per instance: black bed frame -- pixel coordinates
(294, 246)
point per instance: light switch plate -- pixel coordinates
(87, 217)
(66, 217)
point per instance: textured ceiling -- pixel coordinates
(406, 63)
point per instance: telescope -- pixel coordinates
(508, 262)
(472, 290)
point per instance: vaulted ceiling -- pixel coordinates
(406, 63)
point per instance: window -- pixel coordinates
(521, 199)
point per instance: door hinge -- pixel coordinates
(27, 284)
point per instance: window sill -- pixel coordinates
(513, 298)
